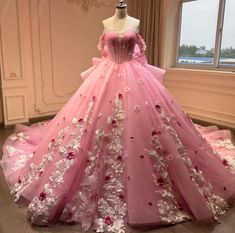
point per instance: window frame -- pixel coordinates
(218, 41)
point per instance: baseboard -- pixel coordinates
(41, 118)
(31, 121)
(207, 123)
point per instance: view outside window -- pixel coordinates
(198, 37)
(227, 53)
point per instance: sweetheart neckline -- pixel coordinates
(120, 33)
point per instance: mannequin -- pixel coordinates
(121, 21)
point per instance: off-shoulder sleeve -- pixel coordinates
(101, 44)
(141, 44)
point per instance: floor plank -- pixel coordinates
(13, 216)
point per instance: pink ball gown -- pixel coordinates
(121, 152)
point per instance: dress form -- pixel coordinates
(121, 21)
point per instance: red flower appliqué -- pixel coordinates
(225, 162)
(157, 106)
(180, 207)
(119, 158)
(160, 181)
(114, 123)
(196, 169)
(121, 196)
(108, 220)
(107, 178)
(69, 215)
(120, 96)
(42, 196)
(80, 120)
(70, 155)
(19, 180)
(164, 152)
(154, 133)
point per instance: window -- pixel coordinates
(207, 34)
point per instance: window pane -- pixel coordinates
(198, 32)
(227, 53)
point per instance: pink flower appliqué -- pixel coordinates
(137, 108)
(140, 80)
(102, 75)
(115, 67)
(120, 75)
(127, 89)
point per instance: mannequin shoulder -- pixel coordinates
(107, 22)
(134, 22)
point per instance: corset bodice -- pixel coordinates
(121, 46)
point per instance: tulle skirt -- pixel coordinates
(121, 152)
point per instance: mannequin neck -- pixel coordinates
(120, 13)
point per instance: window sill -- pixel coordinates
(202, 71)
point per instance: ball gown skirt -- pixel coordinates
(121, 152)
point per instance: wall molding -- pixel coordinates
(8, 99)
(7, 74)
(196, 87)
(191, 88)
(42, 104)
(68, 94)
(204, 114)
(86, 5)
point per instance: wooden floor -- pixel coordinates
(13, 218)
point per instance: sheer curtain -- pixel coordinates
(148, 11)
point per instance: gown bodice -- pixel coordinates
(121, 153)
(121, 46)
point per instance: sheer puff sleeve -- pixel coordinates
(141, 44)
(101, 44)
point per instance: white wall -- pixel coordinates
(45, 45)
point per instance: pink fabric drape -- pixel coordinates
(148, 11)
